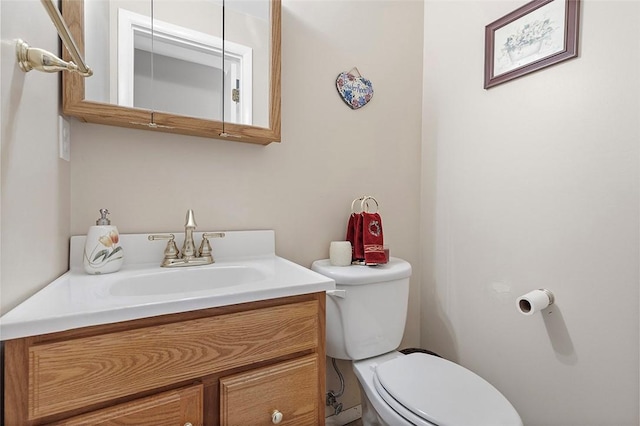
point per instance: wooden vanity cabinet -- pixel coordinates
(234, 365)
(171, 408)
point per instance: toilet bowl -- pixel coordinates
(365, 322)
(424, 390)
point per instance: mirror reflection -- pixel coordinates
(177, 57)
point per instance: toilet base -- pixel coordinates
(370, 416)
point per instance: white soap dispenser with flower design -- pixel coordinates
(102, 254)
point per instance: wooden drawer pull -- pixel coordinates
(276, 417)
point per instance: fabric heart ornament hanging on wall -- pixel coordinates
(355, 90)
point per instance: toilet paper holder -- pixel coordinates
(535, 301)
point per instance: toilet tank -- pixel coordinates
(366, 315)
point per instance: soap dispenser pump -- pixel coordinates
(102, 254)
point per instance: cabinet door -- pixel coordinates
(284, 394)
(173, 408)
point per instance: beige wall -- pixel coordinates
(35, 195)
(534, 183)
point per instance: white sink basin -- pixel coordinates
(185, 280)
(246, 270)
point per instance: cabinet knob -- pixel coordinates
(276, 417)
(188, 424)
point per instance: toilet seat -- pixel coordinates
(397, 407)
(428, 390)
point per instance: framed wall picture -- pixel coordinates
(539, 34)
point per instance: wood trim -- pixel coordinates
(321, 351)
(16, 387)
(276, 65)
(75, 104)
(72, 83)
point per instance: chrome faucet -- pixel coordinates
(189, 255)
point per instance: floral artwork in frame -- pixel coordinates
(539, 34)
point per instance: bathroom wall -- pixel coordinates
(35, 193)
(534, 183)
(301, 187)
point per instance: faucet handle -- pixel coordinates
(205, 247)
(171, 251)
(213, 235)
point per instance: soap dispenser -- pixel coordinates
(102, 254)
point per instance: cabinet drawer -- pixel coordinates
(290, 387)
(172, 408)
(79, 372)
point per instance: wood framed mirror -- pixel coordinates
(243, 102)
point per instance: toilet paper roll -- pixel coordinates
(340, 253)
(534, 301)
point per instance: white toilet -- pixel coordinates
(366, 316)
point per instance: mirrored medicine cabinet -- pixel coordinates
(206, 68)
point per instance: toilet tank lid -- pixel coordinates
(395, 269)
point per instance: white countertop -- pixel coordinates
(77, 299)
